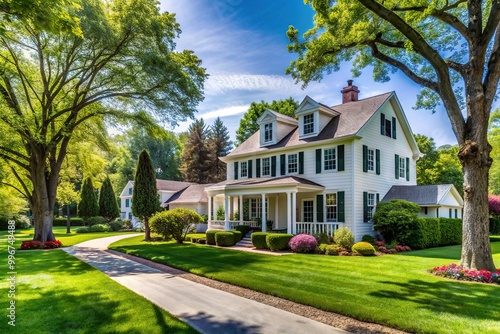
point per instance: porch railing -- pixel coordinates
(316, 228)
(219, 224)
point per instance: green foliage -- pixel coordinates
(277, 242)
(197, 157)
(363, 248)
(237, 235)
(431, 232)
(74, 221)
(145, 198)
(88, 206)
(116, 225)
(323, 238)
(175, 223)
(225, 239)
(495, 225)
(99, 228)
(451, 231)
(94, 220)
(494, 140)
(426, 163)
(220, 144)
(108, 206)
(344, 237)
(82, 230)
(244, 229)
(21, 222)
(392, 218)
(368, 238)
(259, 240)
(248, 124)
(333, 249)
(210, 234)
(220, 213)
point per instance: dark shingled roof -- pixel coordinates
(275, 181)
(194, 193)
(422, 195)
(353, 115)
(168, 185)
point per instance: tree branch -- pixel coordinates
(490, 84)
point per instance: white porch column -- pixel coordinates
(294, 212)
(226, 213)
(288, 213)
(263, 217)
(276, 216)
(240, 209)
(209, 210)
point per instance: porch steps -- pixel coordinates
(245, 242)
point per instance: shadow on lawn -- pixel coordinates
(206, 324)
(457, 298)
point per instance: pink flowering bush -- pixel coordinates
(457, 272)
(494, 204)
(34, 244)
(303, 243)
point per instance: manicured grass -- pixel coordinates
(395, 290)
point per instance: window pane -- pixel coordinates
(308, 212)
(244, 170)
(388, 128)
(308, 124)
(371, 205)
(402, 169)
(292, 163)
(330, 162)
(268, 132)
(331, 207)
(371, 160)
(266, 167)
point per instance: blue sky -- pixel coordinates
(243, 47)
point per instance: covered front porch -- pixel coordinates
(284, 204)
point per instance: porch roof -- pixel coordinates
(274, 182)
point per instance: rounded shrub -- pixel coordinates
(82, 230)
(344, 238)
(225, 239)
(99, 228)
(303, 243)
(94, 220)
(244, 229)
(210, 234)
(396, 220)
(174, 224)
(368, 238)
(116, 225)
(333, 249)
(237, 235)
(363, 248)
(259, 240)
(277, 242)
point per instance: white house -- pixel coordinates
(326, 169)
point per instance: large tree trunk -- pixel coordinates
(476, 252)
(147, 230)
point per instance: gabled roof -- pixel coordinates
(271, 115)
(164, 185)
(264, 182)
(352, 118)
(195, 193)
(423, 195)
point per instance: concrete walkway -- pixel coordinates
(206, 309)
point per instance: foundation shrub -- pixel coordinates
(259, 240)
(244, 229)
(224, 239)
(334, 249)
(344, 238)
(237, 235)
(210, 234)
(368, 238)
(277, 242)
(363, 248)
(303, 243)
(451, 231)
(394, 219)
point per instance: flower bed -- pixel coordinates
(34, 244)
(457, 272)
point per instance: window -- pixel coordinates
(130, 216)
(268, 132)
(256, 208)
(449, 213)
(127, 203)
(370, 205)
(308, 211)
(456, 213)
(329, 159)
(266, 167)
(243, 169)
(308, 124)
(402, 168)
(292, 164)
(371, 159)
(388, 128)
(331, 207)
(426, 210)
(130, 191)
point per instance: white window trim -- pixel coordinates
(315, 115)
(273, 135)
(402, 167)
(374, 203)
(323, 160)
(262, 167)
(336, 206)
(241, 169)
(302, 209)
(368, 160)
(287, 164)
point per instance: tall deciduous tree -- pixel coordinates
(450, 48)
(54, 82)
(108, 206)
(494, 139)
(197, 157)
(248, 124)
(220, 145)
(145, 200)
(88, 206)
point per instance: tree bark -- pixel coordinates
(147, 230)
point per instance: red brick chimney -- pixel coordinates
(349, 93)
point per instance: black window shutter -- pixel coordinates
(282, 164)
(365, 158)
(318, 161)
(378, 198)
(236, 170)
(394, 127)
(382, 124)
(340, 154)
(249, 169)
(396, 165)
(341, 206)
(301, 162)
(377, 162)
(365, 206)
(319, 208)
(273, 166)
(257, 167)
(407, 169)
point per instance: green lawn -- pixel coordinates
(394, 290)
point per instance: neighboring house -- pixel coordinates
(442, 200)
(166, 189)
(326, 169)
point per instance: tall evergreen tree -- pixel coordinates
(220, 145)
(108, 206)
(88, 206)
(145, 200)
(197, 157)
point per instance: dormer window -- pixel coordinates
(308, 124)
(268, 132)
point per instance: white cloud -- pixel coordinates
(224, 112)
(221, 83)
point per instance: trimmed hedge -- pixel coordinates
(277, 242)
(94, 220)
(432, 232)
(495, 225)
(99, 228)
(364, 248)
(74, 221)
(237, 235)
(224, 239)
(451, 231)
(244, 229)
(210, 234)
(259, 240)
(82, 230)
